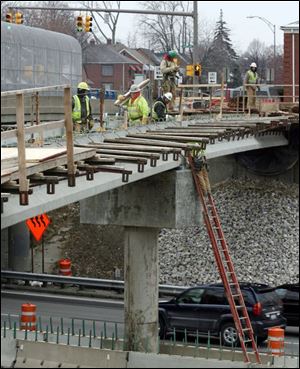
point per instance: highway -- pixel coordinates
(107, 314)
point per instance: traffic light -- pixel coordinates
(88, 23)
(197, 70)
(19, 18)
(189, 70)
(9, 17)
(79, 23)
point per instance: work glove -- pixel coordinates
(145, 120)
(176, 69)
(91, 123)
(121, 97)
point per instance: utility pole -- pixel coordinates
(195, 31)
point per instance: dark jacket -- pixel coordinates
(159, 110)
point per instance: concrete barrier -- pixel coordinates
(35, 354)
(142, 360)
(8, 352)
(30, 354)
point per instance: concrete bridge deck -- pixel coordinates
(40, 202)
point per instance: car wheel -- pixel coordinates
(162, 328)
(260, 340)
(229, 335)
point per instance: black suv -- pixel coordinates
(289, 294)
(206, 309)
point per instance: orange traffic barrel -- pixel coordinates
(28, 317)
(276, 341)
(65, 267)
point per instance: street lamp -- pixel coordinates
(273, 29)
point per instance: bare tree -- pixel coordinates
(110, 19)
(166, 32)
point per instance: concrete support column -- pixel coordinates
(19, 256)
(141, 289)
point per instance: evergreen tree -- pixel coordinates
(222, 56)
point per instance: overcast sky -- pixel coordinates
(243, 30)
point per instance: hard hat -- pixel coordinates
(134, 88)
(168, 96)
(253, 65)
(172, 53)
(83, 86)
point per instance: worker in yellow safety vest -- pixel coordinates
(251, 78)
(81, 109)
(137, 107)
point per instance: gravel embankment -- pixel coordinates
(260, 221)
(261, 224)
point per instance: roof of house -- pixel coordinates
(103, 54)
(291, 27)
(150, 55)
(139, 57)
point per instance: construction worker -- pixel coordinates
(159, 109)
(251, 78)
(169, 69)
(81, 109)
(137, 106)
(201, 166)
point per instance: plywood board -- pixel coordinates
(32, 168)
(35, 154)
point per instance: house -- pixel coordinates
(104, 67)
(291, 61)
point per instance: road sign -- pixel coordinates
(212, 78)
(37, 225)
(157, 73)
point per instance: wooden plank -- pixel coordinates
(35, 89)
(69, 134)
(185, 134)
(129, 153)
(150, 142)
(199, 86)
(125, 158)
(23, 182)
(131, 147)
(168, 138)
(34, 129)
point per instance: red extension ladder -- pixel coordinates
(225, 266)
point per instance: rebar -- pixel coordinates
(51, 325)
(94, 328)
(79, 337)
(90, 338)
(62, 325)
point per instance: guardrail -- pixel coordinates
(84, 282)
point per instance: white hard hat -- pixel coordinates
(168, 96)
(134, 88)
(253, 65)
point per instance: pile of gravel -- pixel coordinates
(260, 221)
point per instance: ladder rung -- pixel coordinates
(242, 318)
(236, 295)
(246, 329)
(246, 341)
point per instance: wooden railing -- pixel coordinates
(22, 131)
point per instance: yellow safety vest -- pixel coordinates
(138, 109)
(252, 77)
(76, 113)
